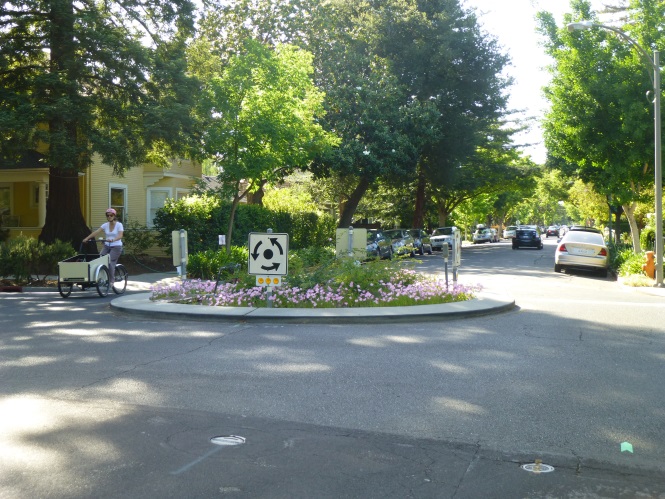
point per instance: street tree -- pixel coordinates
(260, 115)
(598, 128)
(79, 79)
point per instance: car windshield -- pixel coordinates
(511, 227)
(443, 231)
(393, 234)
(584, 237)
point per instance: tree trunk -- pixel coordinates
(64, 220)
(229, 229)
(443, 214)
(346, 215)
(257, 197)
(629, 210)
(419, 209)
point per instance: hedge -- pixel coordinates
(205, 217)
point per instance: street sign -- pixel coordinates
(268, 254)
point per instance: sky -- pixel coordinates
(513, 23)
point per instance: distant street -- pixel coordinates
(96, 403)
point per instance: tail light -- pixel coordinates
(602, 252)
(563, 248)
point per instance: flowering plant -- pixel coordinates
(351, 286)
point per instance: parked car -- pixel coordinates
(552, 230)
(582, 249)
(509, 231)
(584, 228)
(527, 236)
(421, 240)
(482, 236)
(402, 241)
(441, 236)
(378, 245)
(495, 236)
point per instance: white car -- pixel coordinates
(482, 236)
(510, 232)
(583, 248)
(441, 236)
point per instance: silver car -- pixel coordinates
(582, 249)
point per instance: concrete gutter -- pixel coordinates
(485, 303)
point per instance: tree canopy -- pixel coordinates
(97, 77)
(600, 127)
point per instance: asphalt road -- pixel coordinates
(94, 403)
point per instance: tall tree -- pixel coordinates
(366, 104)
(94, 77)
(598, 128)
(260, 113)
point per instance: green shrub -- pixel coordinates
(648, 238)
(631, 264)
(206, 264)
(137, 238)
(23, 257)
(204, 218)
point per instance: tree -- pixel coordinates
(78, 79)
(598, 128)
(366, 105)
(260, 113)
(442, 56)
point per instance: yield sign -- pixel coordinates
(268, 254)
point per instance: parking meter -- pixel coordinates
(457, 251)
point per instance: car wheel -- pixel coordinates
(421, 251)
(541, 246)
(514, 246)
(557, 267)
(390, 254)
(603, 273)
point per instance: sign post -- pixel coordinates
(268, 259)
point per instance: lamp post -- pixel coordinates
(655, 65)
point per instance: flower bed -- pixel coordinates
(405, 288)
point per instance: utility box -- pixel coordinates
(351, 243)
(457, 248)
(179, 244)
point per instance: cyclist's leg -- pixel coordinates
(114, 255)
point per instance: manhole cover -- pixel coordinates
(537, 468)
(228, 440)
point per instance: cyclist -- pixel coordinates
(113, 232)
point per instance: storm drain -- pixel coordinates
(227, 440)
(537, 467)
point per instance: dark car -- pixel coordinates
(527, 237)
(402, 241)
(552, 230)
(378, 244)
(421, 241)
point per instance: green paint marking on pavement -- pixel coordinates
(626, 447)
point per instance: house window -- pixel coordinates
(156, 199)
(118, 201)
(181, 193)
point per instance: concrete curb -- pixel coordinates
(485, 303)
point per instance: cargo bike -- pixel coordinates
(86, 271)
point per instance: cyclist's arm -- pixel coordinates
(93, 235)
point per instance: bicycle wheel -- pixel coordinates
(65, 289)
(102, 281)
(121, 276)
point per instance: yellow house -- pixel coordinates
(136, 196)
